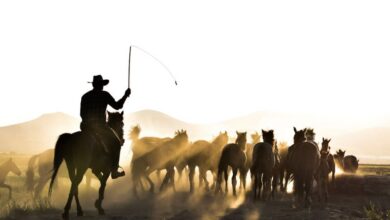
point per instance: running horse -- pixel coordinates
(80, 153)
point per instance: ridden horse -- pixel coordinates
(232, 155)
(263, 165)
(5, 168)
(43, 164)
(348, 164)
(205, 155)
(81, 152)
(304, 161)
(162, 157)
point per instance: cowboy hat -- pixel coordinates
(98, 80)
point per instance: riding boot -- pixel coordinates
(115, 164)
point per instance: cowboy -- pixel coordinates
(93, 114)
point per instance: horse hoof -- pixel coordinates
(65, 216)
(101, 212)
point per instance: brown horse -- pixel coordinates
(205, 155)
(232, 155)
(263, 165)
(248, 152)
(304, 161)
(348, 164)
(80, 153)
(326, 166)
(141, 146)
(43, 164)
(5, 168)
(331, 162)
(162, 157)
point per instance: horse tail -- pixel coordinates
(30, 173)
(58, 157)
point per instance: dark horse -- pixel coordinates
(80, 153)
(303, 161)
(5, 168)
(327, 166)
(233, 155)
(348, 164)
(263, 163)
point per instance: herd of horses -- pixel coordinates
(271, 165)
(304, 162)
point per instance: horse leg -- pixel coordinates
(158, 174)
(42, 182)
(79, 178)
(281, 178)
(259, 185)
(3, 185)
(191, 178)
(151, 190)
(243, 174)
(98, 203)
(234, 181)
(202, 175)
(254, 186)
(172, 179)
(218, 187)
(165, 181)
(71, 171)
(308, 188)
(288, 174)
(225, 173)
(274, 184)
(200, 179)
(326, 189)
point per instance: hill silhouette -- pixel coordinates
(41, 133)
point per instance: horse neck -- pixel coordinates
(118, 129)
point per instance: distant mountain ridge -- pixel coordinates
(41, 133)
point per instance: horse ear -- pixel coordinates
(122, 113)
(237, 133)
(295, 130)
(330, 140)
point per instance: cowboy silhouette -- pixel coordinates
(93, 114)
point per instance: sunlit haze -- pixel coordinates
(230, 58)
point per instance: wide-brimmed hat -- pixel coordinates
(98, 80)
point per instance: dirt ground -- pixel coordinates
(347, 201)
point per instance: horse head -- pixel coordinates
(11, 166)
(255, 137)
(325, 144)
(268, 136)
(134, 132)
(181, 137)
(221, 139)
(241, 139)
(299, 136)
(340, 153)
(310, 134)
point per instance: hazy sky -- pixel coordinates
(230, 57)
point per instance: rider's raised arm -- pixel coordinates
(116, 104)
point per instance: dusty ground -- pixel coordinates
(205, 205)
(347, 201)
